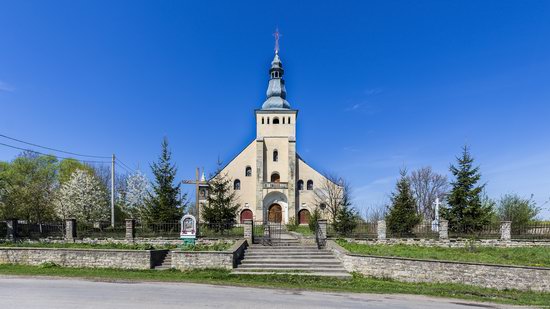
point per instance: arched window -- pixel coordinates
(246, 215)
(310, 184)
(275, 120)
(283, 120)
(300, 185)
(275, 156)
(262, 120)
(237, 184)
(288, 120)
(248, 171)
(275, 177)
(267, 120)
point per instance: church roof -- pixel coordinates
(276, 91)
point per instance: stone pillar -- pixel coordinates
(381, 230)
(443, 229)
(259, 213)
(323, 228)
(506, 230)
(130, 229)
(70, 230)
(248, 231)
(12, 229)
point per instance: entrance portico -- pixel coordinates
(275, 207)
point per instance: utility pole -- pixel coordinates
(113, 191)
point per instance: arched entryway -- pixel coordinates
(303, 216)
(275, 177)
(275, 213)
(246, 215)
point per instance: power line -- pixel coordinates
(45, 154)
(119, 161)
(121, 166)
(53, 149)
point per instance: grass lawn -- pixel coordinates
(527, 256)
(302, 229)
(358, 284)
(198, 247)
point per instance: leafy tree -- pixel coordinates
(221, 207)
(427, 186)
(82, 197)
(28, 185)
(466, 212)
(135, 195)
(346, 220)
(402, 216)
(313, 218)
(163, 203)
(521, 211)
(68, 166)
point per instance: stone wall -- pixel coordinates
(452, 243)
(95, 258)
(413, 270)
(185, 260)
(140, 241)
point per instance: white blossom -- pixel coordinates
(137, 189)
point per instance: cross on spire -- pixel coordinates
(277, 35)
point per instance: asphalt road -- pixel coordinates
(23, 292)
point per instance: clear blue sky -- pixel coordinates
(379, 84)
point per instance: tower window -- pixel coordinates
(310, 184)
(237, 184)
(248, 171)
(275, 177)
(267, 120)
(262, 120)
(300, 185)
(275, 156)
(288, 120)
(283, 120)
(275, 120)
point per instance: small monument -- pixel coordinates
(435, 222)
(188, 231)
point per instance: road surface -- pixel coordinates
(44, 293)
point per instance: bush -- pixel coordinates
(521, 211)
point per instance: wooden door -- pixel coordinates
(275, 213)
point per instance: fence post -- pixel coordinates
(70, 230)
(248, 230)
(443, 229)
(322, 228)
(11, 229)
(130, 229)
(381, 230)
(506, 230)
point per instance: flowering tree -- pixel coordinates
(82, 197)
(137, 189)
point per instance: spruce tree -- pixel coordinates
(164, 204)
(466, 212)
(221, 208)
(402, 216)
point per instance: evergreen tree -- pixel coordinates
(466, 212)
(221, 208)
(163, 203)
(346, 220)
(402, 216)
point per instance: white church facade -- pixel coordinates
(272, 182)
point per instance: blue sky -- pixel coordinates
(379, 84)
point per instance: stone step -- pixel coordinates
(291, 269)
(289, 248)
(292, 261)
(289, 257)
(339, 275)
(289, 265)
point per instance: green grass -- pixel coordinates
(121, 246)
(358, 284)
(302, 229)
(526, 256)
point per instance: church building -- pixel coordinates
(270, 178)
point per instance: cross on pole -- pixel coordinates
(197, 181)
(277, 35)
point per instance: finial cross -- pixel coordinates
(277, 35)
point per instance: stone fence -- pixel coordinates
(185, 260)
(416, 270)
(94, 258)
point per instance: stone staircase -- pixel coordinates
(289, 256)
(166, 263)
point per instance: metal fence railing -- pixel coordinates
(3, 229)
(169, 230)
(534, 230)
(40, 230)
(100, 230)
(221, 229)
(486, 231)
(361, 230)
(422, 230)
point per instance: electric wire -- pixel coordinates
(58, 157)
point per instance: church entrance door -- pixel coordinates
(275, 213)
